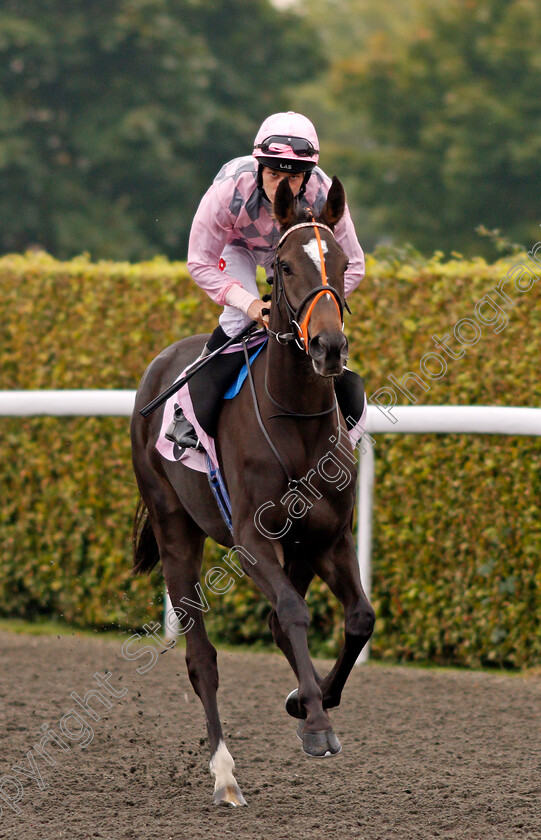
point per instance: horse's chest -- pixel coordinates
(319, 503)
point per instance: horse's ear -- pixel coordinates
(335, 205)
(284, 204)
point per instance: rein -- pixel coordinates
(289, 413)
(313, 296)
(292, 483)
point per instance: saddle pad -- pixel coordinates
(191, 458)
(235, 386)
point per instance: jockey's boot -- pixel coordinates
(349, 390)
(180, 430)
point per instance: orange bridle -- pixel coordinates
(318, 292)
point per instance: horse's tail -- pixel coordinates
(145, 548)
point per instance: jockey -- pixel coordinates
(233, 232)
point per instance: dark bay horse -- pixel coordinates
(290, 471)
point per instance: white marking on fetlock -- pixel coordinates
(222, 766)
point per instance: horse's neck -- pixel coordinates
(292, 381)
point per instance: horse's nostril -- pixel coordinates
(328, 345)
(324, 343)
(319, 347)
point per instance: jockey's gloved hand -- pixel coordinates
(258, 311)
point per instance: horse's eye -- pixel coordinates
(285, 268)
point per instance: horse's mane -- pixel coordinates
(305, 214)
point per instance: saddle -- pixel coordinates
(221, 379)
(201, 400)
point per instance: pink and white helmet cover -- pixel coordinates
(287, 124)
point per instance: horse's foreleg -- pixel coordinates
(180, 542)
(300, 576)
(341, 573)
(292, 614)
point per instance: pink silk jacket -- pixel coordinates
(233, 212)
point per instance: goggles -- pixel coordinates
(301, 146)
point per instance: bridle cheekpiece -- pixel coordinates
(313, 296)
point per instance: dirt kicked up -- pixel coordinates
(426, 754)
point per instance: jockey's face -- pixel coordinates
(272, 177)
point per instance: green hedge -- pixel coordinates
(457, 538)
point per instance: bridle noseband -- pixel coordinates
(313, 296)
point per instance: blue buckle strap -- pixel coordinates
(235, 386)
(220, 493)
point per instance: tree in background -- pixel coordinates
(116, 114)
(440, 118)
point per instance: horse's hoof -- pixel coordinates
(293, 707)
(321, 744)
(228, 795)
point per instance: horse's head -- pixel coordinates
(309, 277)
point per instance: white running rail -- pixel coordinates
(428, 419)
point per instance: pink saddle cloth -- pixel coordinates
(192, 458)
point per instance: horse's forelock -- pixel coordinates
(302, 215)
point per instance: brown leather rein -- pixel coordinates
(302, 340)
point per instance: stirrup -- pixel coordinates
(181, 432)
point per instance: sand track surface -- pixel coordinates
(426, 754)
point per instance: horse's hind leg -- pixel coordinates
(180, 542)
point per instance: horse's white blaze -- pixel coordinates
(222, 766)
(312, 249)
